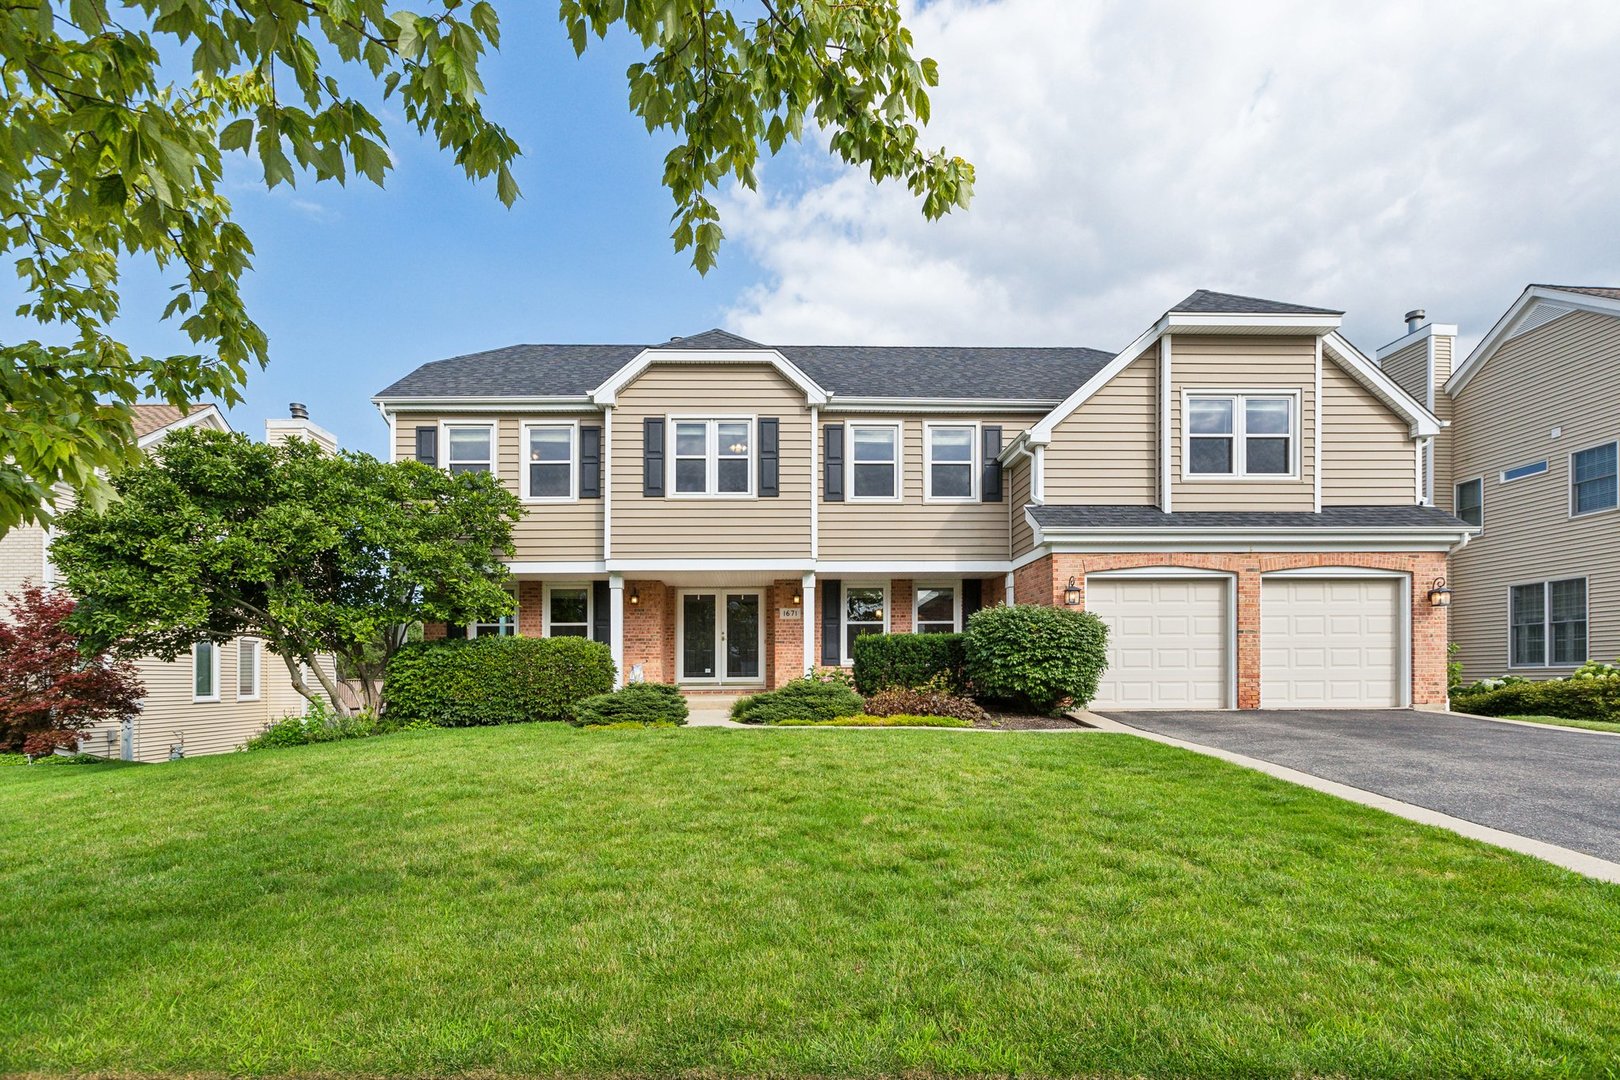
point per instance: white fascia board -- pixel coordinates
(913, 567)
(1304, 323)
(936, 405)
(565, 569)
(1504, 327)
(1066, 541)
(607, 393)
(1041, 432)
(514, 403)
(1423, 422)
(1422, 333)
(638, 566)
(203, 416)
(1014, 450)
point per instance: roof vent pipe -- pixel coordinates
(297, 411)
(1414, 319)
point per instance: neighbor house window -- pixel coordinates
(951, 461)
(1548, 624)
(712, 457)
(504, 626)
(550, 450)
(248, 659)
(568, 611)
(865, 612)
(205, 671)
(1592, 477)
(471, 447)
(1521, 472)
(936, 611)
(1240, 435)
(1470, 502)
(874, 461)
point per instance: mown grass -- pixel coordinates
(540, 900)
(1590, 725)
(862, 720)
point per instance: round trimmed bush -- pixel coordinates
(638, 703)
(801, 699)
(1035, 657)
(495, 680)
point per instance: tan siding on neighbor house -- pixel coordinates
(1023, 537)
(1367, 450)
(914, 528)
(1247, 364)
(1105, 452)
(563, 531)
(22, 558)
(685, 527)
(1409, 367)
(1555, 376)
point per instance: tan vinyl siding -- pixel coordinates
(1556, 375)
(1367, 450)
(720, 527)
(565, 531)
(1247, 364)
(22, 558)
(913, 528)
(1105, 452)
(1023, 537)
(1409, 367)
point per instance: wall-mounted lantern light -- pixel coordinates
(1440, 595)
(635, 595)
(1071, 594)
(798, 598)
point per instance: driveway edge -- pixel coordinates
(1589, 865)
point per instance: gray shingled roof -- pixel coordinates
(1204, 302)
(1588, 290)
(1331, 517)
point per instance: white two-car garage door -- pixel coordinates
(1331, 643)
(1167, 641)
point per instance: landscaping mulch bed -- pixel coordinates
(1025, 722)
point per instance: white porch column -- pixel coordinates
(1009, 600)
(807, 614)
(616, 625)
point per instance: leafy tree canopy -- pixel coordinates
(105, 157)
(219, 537)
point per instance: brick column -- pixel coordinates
(784, 637)
(902, 592)
(1248, 637)
(646, 641)
(531, 608)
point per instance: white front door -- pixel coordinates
(1167, 641)
(720, 637)
(1331, 643)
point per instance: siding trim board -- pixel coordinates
(607, 393)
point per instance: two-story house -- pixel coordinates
(1528, 458)
(1237, 492)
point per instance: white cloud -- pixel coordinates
(1373, 157)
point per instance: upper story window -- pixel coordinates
(249, 655)
(1470, 502)
(470, 447)
(1521, 472)
(1548, 624)
(938, 610)
(205, 671)
(1592, 478)
(951, 462)
(1241, 435)
(712, 457)
(874, 461)
(550, 473)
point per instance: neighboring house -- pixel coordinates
(1529, 460)
(213, 700)
(1237, 493)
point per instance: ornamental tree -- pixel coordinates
(217, 537)
(50, 690)
(108, 159)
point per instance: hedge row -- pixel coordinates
(495, 680)
(1569, 699)
(909, 661)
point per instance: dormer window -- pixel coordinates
(1241, 435)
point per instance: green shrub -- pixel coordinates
(70, 759)
(925, 703)
(865, 720)
(639, 703)
(1596, 698)
(806, 698)
(495, 680)
(908, 661)
(13, 759)
(1035, 657)
(320, 724)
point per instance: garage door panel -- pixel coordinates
(1330, 644)
(1166, 643)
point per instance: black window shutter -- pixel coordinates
(427, 445)
(601, 611)
(992, 468)
(832, 608)
(972, 598)
(770, 465)
(652, 457)
(832, 458)
(590, 461)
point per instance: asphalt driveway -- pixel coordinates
(1561, 787)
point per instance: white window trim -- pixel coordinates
(258, 670)
(1503, 477)
(975, 468)
(1240, 434)
(1546, 622)
(196, 698)
(843, 613)
(711, 454)
(899, 495)
(1456, 504)
(573, 461)
(1571, 463)
(916, 598)
(590, 605)
(472, 627)
(494, 440)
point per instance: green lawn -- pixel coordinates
(540, 900)
(1590, 725)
